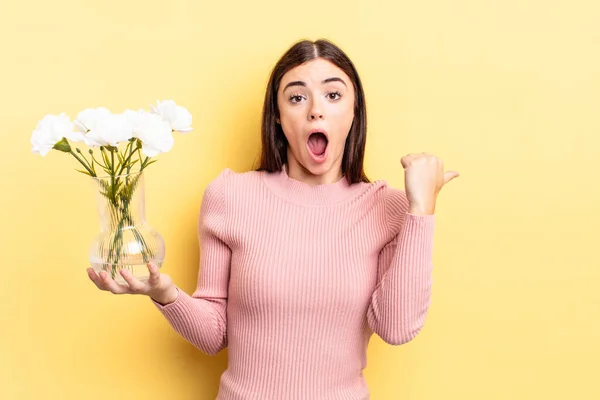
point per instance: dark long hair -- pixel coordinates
(274, 143)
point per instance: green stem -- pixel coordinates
(84, 158)
(93, 168)
(126, 163)
(140, 158)
(105, 157)
(112, 175)
(112, 161)
(82, 163)
(128, 146)
(97, 162)
(130, 154)
(143, 164)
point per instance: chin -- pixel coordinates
(317, 170)
(320, 167)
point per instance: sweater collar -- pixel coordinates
(305, 194)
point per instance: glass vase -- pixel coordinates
(125, 240)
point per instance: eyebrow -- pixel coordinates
(302, 83)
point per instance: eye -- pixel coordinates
(295, 98)
(332, 95)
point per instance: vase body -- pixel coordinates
(125, 240)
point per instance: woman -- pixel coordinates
(303, 259)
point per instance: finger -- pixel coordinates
(135, 285)
(406, 160)
(95, 278)
(430, 157)
(111, 285)
(154, 277)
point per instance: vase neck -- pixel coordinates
(120, 201)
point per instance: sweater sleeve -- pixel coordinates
(401, 298)
(201, 318)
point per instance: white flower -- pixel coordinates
(86, 121)
(178, 117)
(102, 128)
(154, 132)
(51, 130)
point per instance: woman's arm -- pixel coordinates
(202, 317)
(401, 299)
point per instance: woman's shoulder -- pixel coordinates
(388, 193)
(227, 182)
(232, 177)
(228, 179)
(396, 197)
(394, 201)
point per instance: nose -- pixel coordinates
(315, 112)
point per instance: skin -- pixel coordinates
(314, 95)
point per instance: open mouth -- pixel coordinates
(317, 143)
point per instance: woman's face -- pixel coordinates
(316, 108)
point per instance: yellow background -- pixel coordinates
(507, 93)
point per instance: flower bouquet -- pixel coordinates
(121, 147)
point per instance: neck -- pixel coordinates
(299, 173)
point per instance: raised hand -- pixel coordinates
(424, 177)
